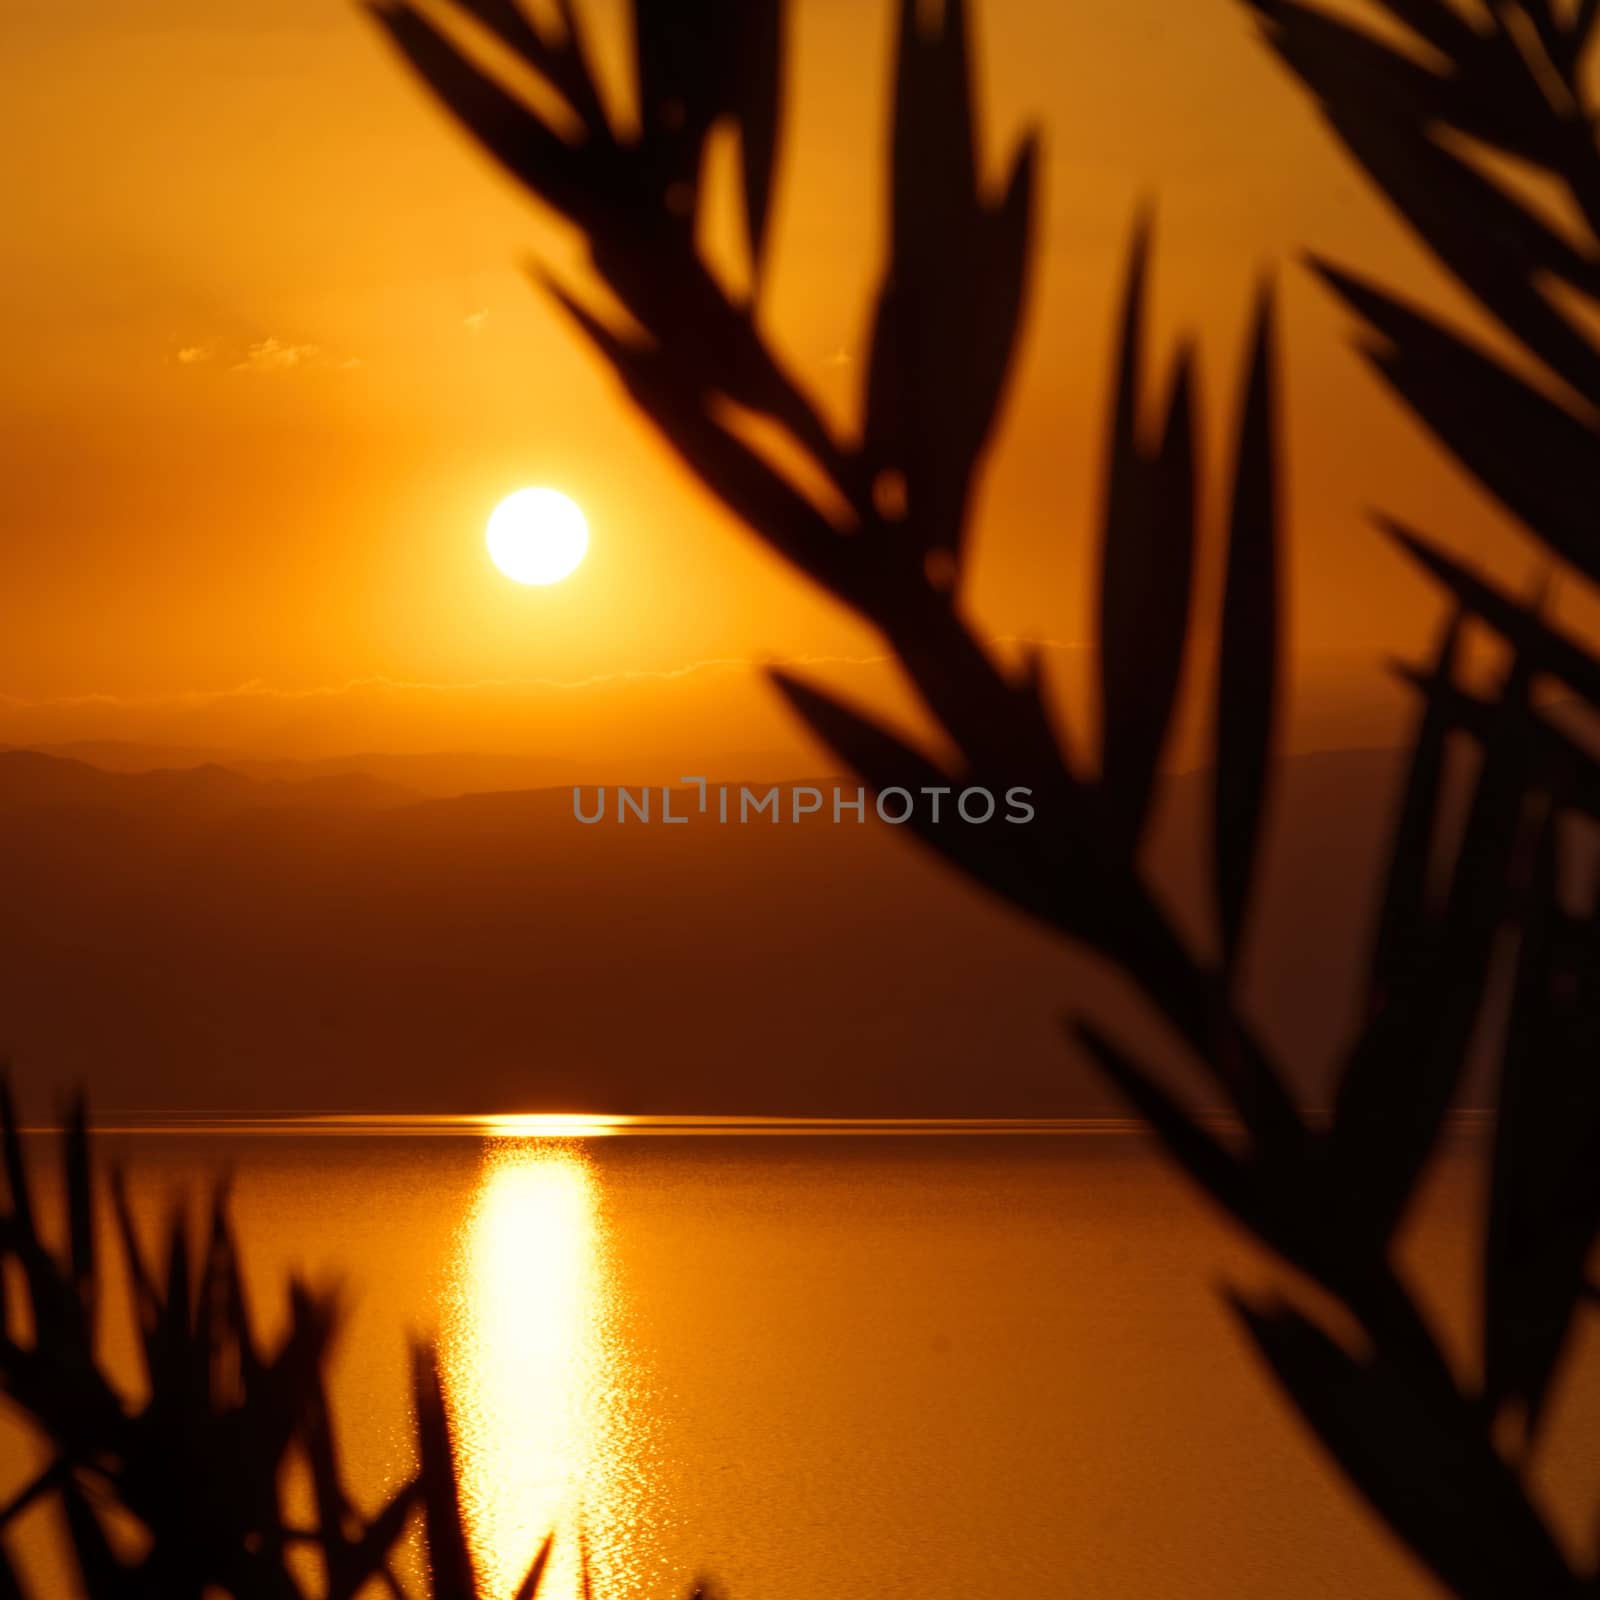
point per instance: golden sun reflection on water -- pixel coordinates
(538, 1378)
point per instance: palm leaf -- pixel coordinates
(1247, 681)
(80, 1211)
(1224, 1176)
(444, 1525)
(1449, 1496)
(1402, 1076)
(993, 860)
(1538, 459)
(10, 1584)
(677, 403)
(758, 109)
(569, 178)
(1407, 919)
(1544, 648)
(1146, 574)
(1545, 1186)
(561, 61)
(530, 1584)
(947, 318)
(1499, 250)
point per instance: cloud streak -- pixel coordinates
(255, 689)
(270, 355)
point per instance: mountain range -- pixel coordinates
(211, 937)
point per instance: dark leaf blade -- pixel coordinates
(1000, 303)
(367, 1556)
(16, 1169)
(103, 1575)
(885, 422)
(508, 130)
(225, 1247)
(951, 303)
(1583, 27)
(277, 1402)
(444, 1526)
(52, 1300)
(1544, 648)
(146, 1296)
(530, 1584)
(1544, 1206)
(934, 154)
(758, 90)
(511, 25)
(1539, 460)
(676, 403)
(562, 62)
(681, 64)
(10, 1584)
(180, 1373)
(999, 864)
(1405, 921)
(1516, 1157)
(1432, 1479)
(1403, 1074)
(1247, 680)
(1209, 1163)
(1146, 574)
(1436, 21)
(1498, 250)
(327, 1485)
(80, 1210)
(1567, 765)
(1340, 62)
(1126, 488)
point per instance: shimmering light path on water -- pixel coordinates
(538, 1378)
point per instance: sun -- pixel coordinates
(537, 536)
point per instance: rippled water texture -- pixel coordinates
(914, 1368)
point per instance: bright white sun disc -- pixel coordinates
(537, 536)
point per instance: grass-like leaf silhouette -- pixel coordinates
(197, 1458)
(1418, 1438)
(198, 1462)
(1146, 570)
(1247, 668)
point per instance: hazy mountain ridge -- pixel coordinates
(31, 778)
(211, 939)
(438, 774)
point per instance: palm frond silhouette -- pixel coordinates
(197, 1461)
(1442, 1455)
(1422, 1441)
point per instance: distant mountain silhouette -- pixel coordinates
(124, 755)
(201, 938)
(441, 774)
(31, 779)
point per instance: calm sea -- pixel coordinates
(908, 1367)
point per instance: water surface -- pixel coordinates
(929, 1366)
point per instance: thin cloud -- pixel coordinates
(274, 355)
(255, 689)
(475, 321)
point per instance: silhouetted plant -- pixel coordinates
(198, 1461)
(1423, 1442)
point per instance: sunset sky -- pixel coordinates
(271, 359)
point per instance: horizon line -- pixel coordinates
(595, 1125)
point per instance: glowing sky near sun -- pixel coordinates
(271, 355)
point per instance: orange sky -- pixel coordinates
(270, 362)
